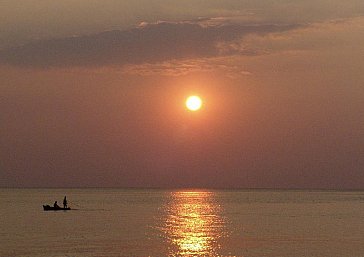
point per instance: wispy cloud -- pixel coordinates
(316, 37)
(184, 67)
(148, 43)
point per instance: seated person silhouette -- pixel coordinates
(55, 205)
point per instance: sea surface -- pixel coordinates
(181, 222)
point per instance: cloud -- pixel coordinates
(148, 43)
(184, 67)
(329, 35)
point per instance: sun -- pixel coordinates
(193, 103)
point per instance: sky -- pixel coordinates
(92, 93)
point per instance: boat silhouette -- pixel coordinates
(51, 208)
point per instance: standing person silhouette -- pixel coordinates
(65, 202)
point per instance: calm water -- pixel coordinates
(117, 222)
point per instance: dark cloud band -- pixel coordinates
(148, 43)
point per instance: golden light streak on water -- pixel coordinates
(193, 224)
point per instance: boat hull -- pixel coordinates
(51, 208)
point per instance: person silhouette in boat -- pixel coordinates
(55, 205)
(65, 202)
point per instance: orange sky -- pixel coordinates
(100, 102)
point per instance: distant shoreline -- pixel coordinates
(197, 189)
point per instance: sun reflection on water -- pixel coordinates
(193, 224)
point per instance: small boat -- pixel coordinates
(51, 208)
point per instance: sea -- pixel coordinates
(181, 222)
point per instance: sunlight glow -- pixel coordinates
(193, 103)
(193, 225)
